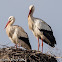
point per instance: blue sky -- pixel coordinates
(48, 10)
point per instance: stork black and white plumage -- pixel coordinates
(17, 34)
(40, 29)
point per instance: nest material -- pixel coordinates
(20, 55)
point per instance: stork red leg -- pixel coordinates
(16, 46)
(38, 44)
(42, 45)
(19, 45)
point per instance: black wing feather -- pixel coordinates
(49, 36)
(26, 40)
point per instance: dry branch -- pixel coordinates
(20, 55)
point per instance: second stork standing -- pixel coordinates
(40, 29)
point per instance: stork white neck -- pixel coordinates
(12, 22)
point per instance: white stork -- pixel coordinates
(40, 29)
(17, 34)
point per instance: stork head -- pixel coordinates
(31, 9)
(11, 20)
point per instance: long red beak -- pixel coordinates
(29, 12)
(7, 24)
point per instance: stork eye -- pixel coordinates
(10, 18)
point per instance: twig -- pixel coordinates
(58, 57)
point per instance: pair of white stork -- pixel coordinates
(40, 29)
